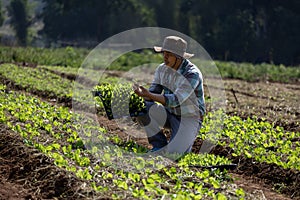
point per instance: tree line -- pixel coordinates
(237, 30)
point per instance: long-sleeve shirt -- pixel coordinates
(182, 89)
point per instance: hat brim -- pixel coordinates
(160, 49)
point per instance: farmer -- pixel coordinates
(175, 99)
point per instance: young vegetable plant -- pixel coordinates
(119, 100)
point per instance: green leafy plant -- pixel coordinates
(119, 100)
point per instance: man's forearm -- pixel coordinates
(157, 97)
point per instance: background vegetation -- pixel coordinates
(248, 31)
(69, 57)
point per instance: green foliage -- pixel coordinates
(191, 160)
(49, 84)
(53, 131)
(75, 15)
(259, 72)
(132, 59)
(64, 59)
(68, 56)
(253, 138)
(119, 100)
(235, 31)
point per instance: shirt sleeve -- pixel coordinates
(156, 88)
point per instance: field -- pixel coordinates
(45, 153)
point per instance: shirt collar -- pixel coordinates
(183, 65)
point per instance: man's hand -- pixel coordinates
(140, 91)
(143, 92)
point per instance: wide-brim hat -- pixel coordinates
(174, 45)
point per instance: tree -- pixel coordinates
(283, 30)
(92, 19)
(1, 15)
(18, 12)
(252, 31)
(166, 12)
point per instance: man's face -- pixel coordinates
(169, 58)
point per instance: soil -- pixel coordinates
(278, 103)
(257, 180)
(256, 188)
(25, 173)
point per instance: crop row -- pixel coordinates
(253, 138)
(86, 150)
(37, 80)
(259, 140)
(44, 83)
(248, 138)
(258, 72)
(53, 82)
(60, 56)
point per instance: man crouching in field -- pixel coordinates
(174, 100)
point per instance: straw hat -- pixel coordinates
(175, 45)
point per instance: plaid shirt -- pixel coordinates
(182, 89)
